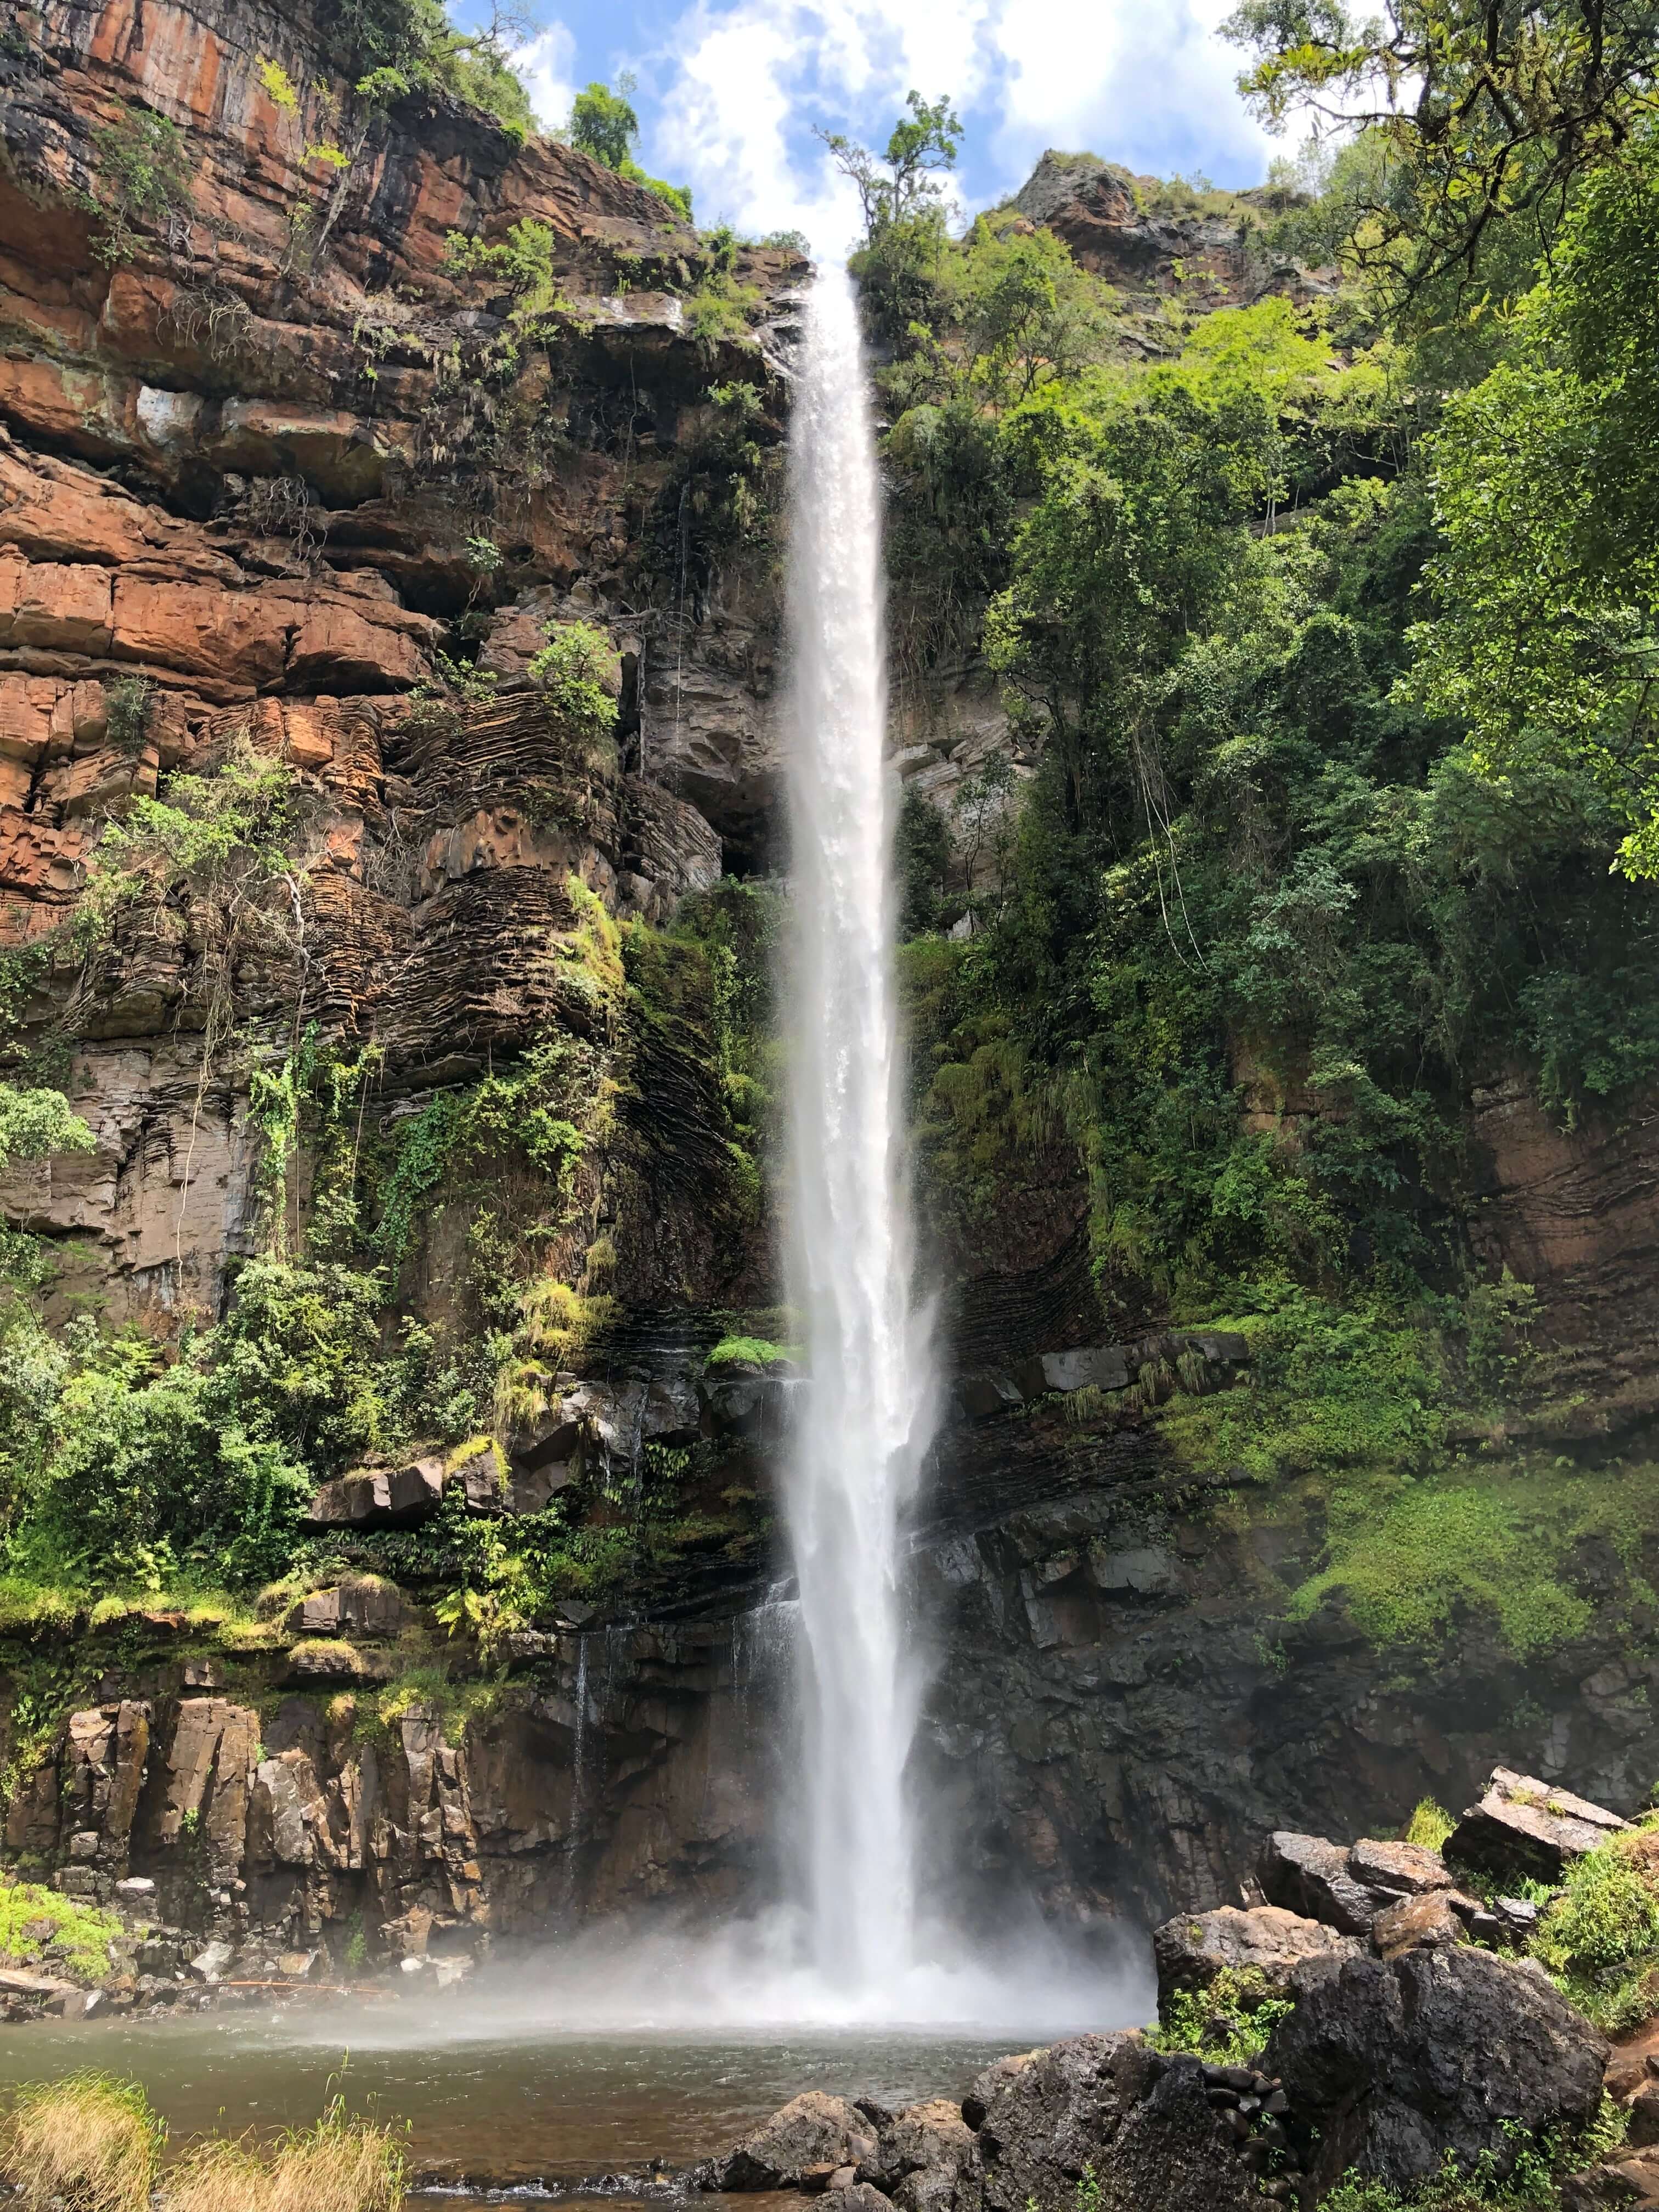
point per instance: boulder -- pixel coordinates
(1102, 1367)
(919, 2152)
(1522, 1825)
(1141, 2123)
(1643, 2133)
(857, 2197)
(367, 1604)
(1624, 2183)
(1398, 2063)
(1415, 1922)
(812, 2131)
(380, 1498)
(1406, 1869)
(1193, 1948)
(986, 2085)
(1311, 1875)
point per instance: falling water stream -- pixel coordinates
(856, 1452)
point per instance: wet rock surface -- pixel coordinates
(1148, 2128)
(1396, 2063)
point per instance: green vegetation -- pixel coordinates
(579, 675)
(1530, 2187)
(79, 1936)
(1225, 2024)
(751, 1352)
(603, 123)
(520, 262)
(387, 49)
(1325, 637)
(1600, 1937)
(141, 179)
(1430, 1826)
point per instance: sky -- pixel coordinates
(728, 91)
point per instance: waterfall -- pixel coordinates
(854, 1453)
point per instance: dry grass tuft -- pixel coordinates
(88, 2143)
(339, 2166)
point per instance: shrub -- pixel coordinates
(89, 2142)
(1601, 1940)
(1227, 2023)
(578, 671)
(520, 262)
(127, 703)
(142, 171)
(35, 1124)
(752, 1350)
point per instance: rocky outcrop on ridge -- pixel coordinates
(1115, 226)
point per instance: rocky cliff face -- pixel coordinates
(1154, 241)
(262, 461)
(293, 489)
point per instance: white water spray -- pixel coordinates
(856, 1451)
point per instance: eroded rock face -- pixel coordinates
(1441, 2049)
(243, 464)
(1098, 209)
(278, 1835)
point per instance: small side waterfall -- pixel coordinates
(855, 1453)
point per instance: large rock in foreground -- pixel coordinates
(812, 2137)
(1141, 2123)
(1398, 2063)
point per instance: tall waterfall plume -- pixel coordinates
(856, 1450)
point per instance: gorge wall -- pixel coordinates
(293, 491)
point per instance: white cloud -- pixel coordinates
(741, 80)
(548, 65)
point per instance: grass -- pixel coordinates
(29, 1606)
(1345, 1419)
(339, 2166)
(1430, 1826)
(89, 2142)
(84, 1932)
(1409, 1556)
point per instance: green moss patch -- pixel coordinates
(1408, 1557)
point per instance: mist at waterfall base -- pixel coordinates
(866, 1937)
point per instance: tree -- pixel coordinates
(1028, 312)
(34, 1124)
(1546, 484)
(899, 184)
(981, 812)
(1490, 108)
(603, 123)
